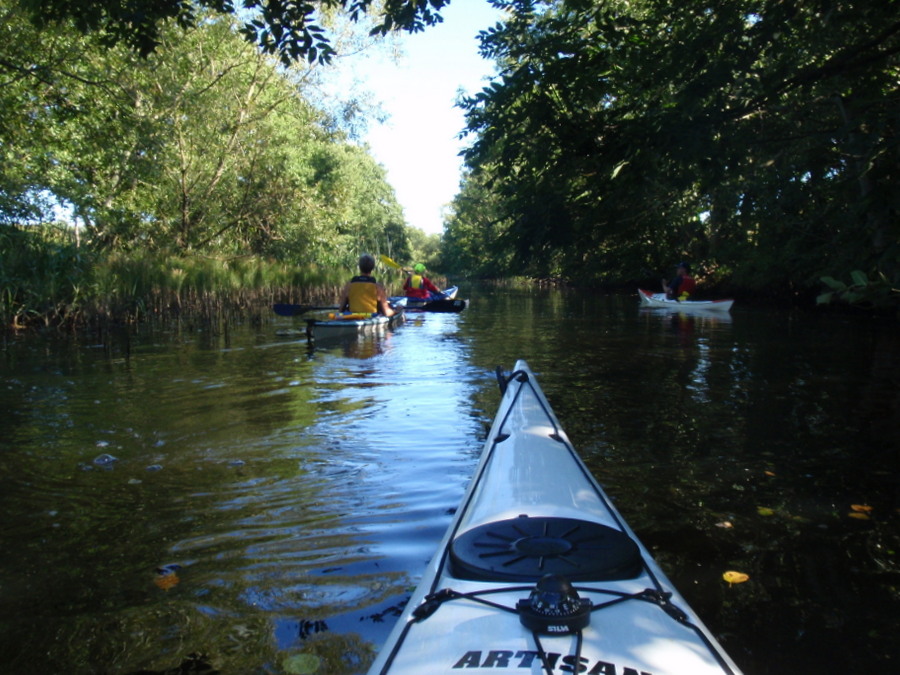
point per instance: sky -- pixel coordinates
(418, 144)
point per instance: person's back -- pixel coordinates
(418, 286)
(363, 294)
(414, 287)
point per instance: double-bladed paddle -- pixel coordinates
(283, 309)
(390, 263)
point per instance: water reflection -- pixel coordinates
(302, 491)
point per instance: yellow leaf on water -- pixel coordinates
(765, 511)
(859, 516)
(733, 577)
(725, 525)
(862, 508)
(166, 581)
(769, 473)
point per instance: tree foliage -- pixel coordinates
(757, 137)
(290, 29)
(206, 146)
(426, 249)
(476, 240)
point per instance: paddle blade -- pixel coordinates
(390, 263)
(284, 309)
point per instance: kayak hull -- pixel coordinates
(529, 478)
(449, 304)
(660, 301)
(318, 329)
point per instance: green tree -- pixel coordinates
(359, 204)
(205, 146)
(290, 29)
(236, 142)
(476, 232)
(425, 248)
(758, 137)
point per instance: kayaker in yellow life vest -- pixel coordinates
(362, 294)
(417, 285)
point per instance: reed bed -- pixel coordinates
(47, 279)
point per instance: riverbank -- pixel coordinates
(879, 304)
(49, 280)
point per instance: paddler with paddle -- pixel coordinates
(418, 286)
(681, 287)
(363, 294)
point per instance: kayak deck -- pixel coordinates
(659, 300)
(321, 328)
(533, 509)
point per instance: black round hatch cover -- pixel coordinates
(525, 549)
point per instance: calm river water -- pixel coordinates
(270, 507)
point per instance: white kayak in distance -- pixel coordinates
(539, 573)
(660, 301)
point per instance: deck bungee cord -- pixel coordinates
(658, 597)
(556, 568)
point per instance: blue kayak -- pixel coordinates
(446, 302)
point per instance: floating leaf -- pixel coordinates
(765, 511)
(859, 277)
(621, 165)
(769, 473)
(834, 284)
(166, 581)
(302, 664)
(862, 508)
(725, 525)
(167, 576)
(859, 516)
(733, 577)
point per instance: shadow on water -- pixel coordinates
(254, 505)
(741, 444)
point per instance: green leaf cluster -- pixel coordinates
(292, 30)
(861, 291)
(206, 147)
(755, 138)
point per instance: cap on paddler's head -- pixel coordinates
(419, 268)
(687, 268)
